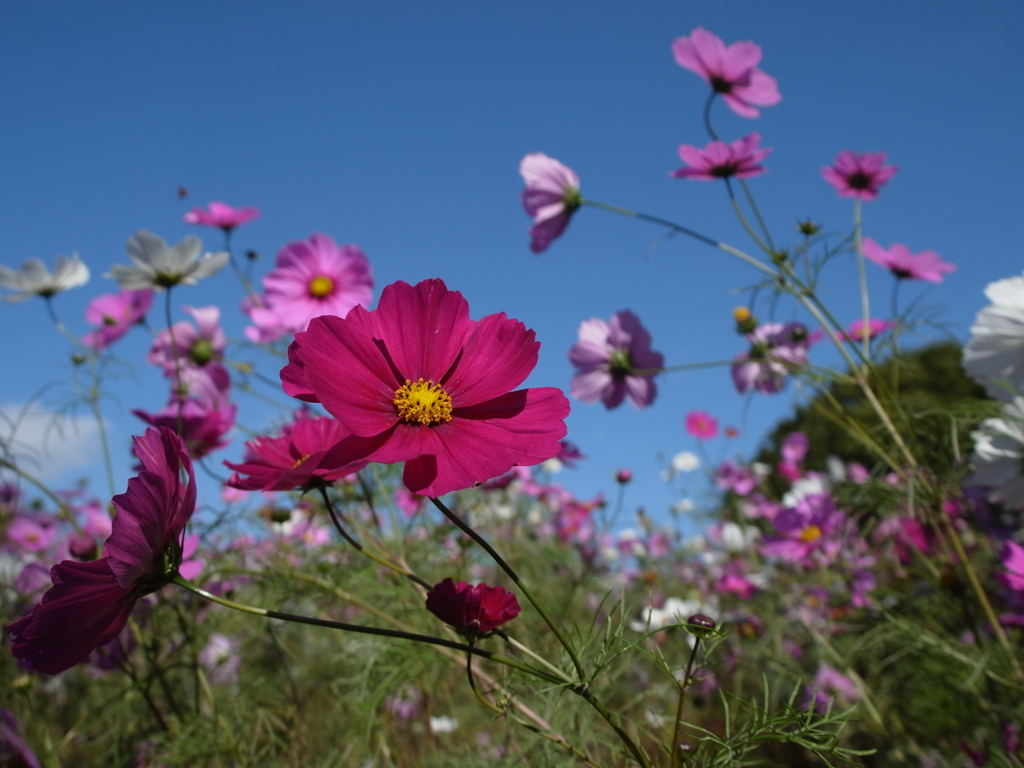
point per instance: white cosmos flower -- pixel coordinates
(34, 279)
(994, 356)
(443, 724)
(998, 459)
(158, 265)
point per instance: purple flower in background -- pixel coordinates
(311, 278)
(718, 160)
(808, 531)
(222, 215)
(114, 314)
(204, 423)
(1012, 558)
(739, 480)
(829, 683)
(730, 70)
(860, 175)
(551, 196)
(613, 360)
(14, 752)
(220, 659)
(898, 259)
(197, 345)
(875, 328)
(569, 453)
(89, 603)
(776, 350)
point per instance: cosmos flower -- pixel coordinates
(898, 259)
(311, 278)
(830, 683)
(551, 196)
(729, 70)
(998, 460)
(196, 345)
(114, 314)
(160, 266)
(89, 603)
(860, 175)
(34, 279)
(875, 327)
(472, 611)
(701, 424)
(719, 160)
(204, 424)
(994, 355)
(614, 359)
(221, 215)
(776, 350)
(416, 380)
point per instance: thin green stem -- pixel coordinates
(683, 685)
(743, 220)
(863, 275)
(178, 394)
(683, 367)
(757, 213)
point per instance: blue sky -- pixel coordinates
(400, 126)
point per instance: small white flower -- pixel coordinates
(994, 356)
(552, 466)
(685, 461)
(674, 611)
(999, 455)
(443, 724)
(34, 279)
(812, 485)
(158, 265)
(683, 506)
(737, 539)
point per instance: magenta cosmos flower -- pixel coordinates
(860, 175)
(114, 314)
(311, 278)
(221, 215)
(613, 360)
(719, 160)
(551, 196)
(898, 259)
(89, 603)
(472, 611)
(416, 380)
(875, 327)
(730, 70)
(702, 425)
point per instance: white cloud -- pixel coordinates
(47, 444)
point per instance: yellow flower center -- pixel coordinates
(301, 459)
(422, 403)
(741, 314)
(810, 533)
(321, 286)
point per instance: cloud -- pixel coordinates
(48, 444)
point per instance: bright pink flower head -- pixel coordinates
(221, 215)
(204, 420)
(89, 603)
(613, 360)
(287, 462)
(718, 160)
(702, 425)
(197, 345)
(311, 278)
(115, 314)
(551, 196)
(472, 611)
(927, 265)
(860, 175)
(730, 70)
(1012, 558)
(875, 327)
(416, 380)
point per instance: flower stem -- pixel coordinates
(178, 394)
(863, 274)
(707, 115)
(683, 685)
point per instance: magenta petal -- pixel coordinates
(293, 376)
(498, 356)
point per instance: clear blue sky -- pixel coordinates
(399, 127)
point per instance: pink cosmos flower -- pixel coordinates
(311, 278)
(809, 531)
(613, 360)
(776, 350)
(197, 345)
(221, 215)
(1012, 558)
(551, 196)
(472, 611)
(927, 265)
(416, 380)
(739, 480)
(793, 450)
(875, 328)
(702, 425)
(860, 175)
(719, 160)
(89, 603)
(730, 70)
(569, 453)
(830, 683)
(287, 462)
(115, 314)
(204, 424)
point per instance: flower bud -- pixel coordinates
(83, 547)
(623, 476)
(701, 626)
(745, 320)
(78, 358)
(808, 227)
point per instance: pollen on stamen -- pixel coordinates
(321, 287)
(810, 533)
(423, 402)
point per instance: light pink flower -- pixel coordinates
(311, 278)
(551, 196)
(898, 259)
(876, 327)
(730, 70)
(719, 160)
(614, 359)
(115, 314)
(1012, 558)
(702, 425)
(221, 215)
(860, 175)
(776, 350)
(416, 380)
(197, 345)
(830, 683)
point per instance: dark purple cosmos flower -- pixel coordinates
(730, 70)
(860, 175)
(89, 603)
(898, 259)
(416, 380)
(471, 611)
(551, 196)
(114, 314)
(718, 160)
(221, 215)
(776, 350)
(613, 360)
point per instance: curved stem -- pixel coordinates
(707, 114)
(683, 685)
(757, 213)
(743, 220)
